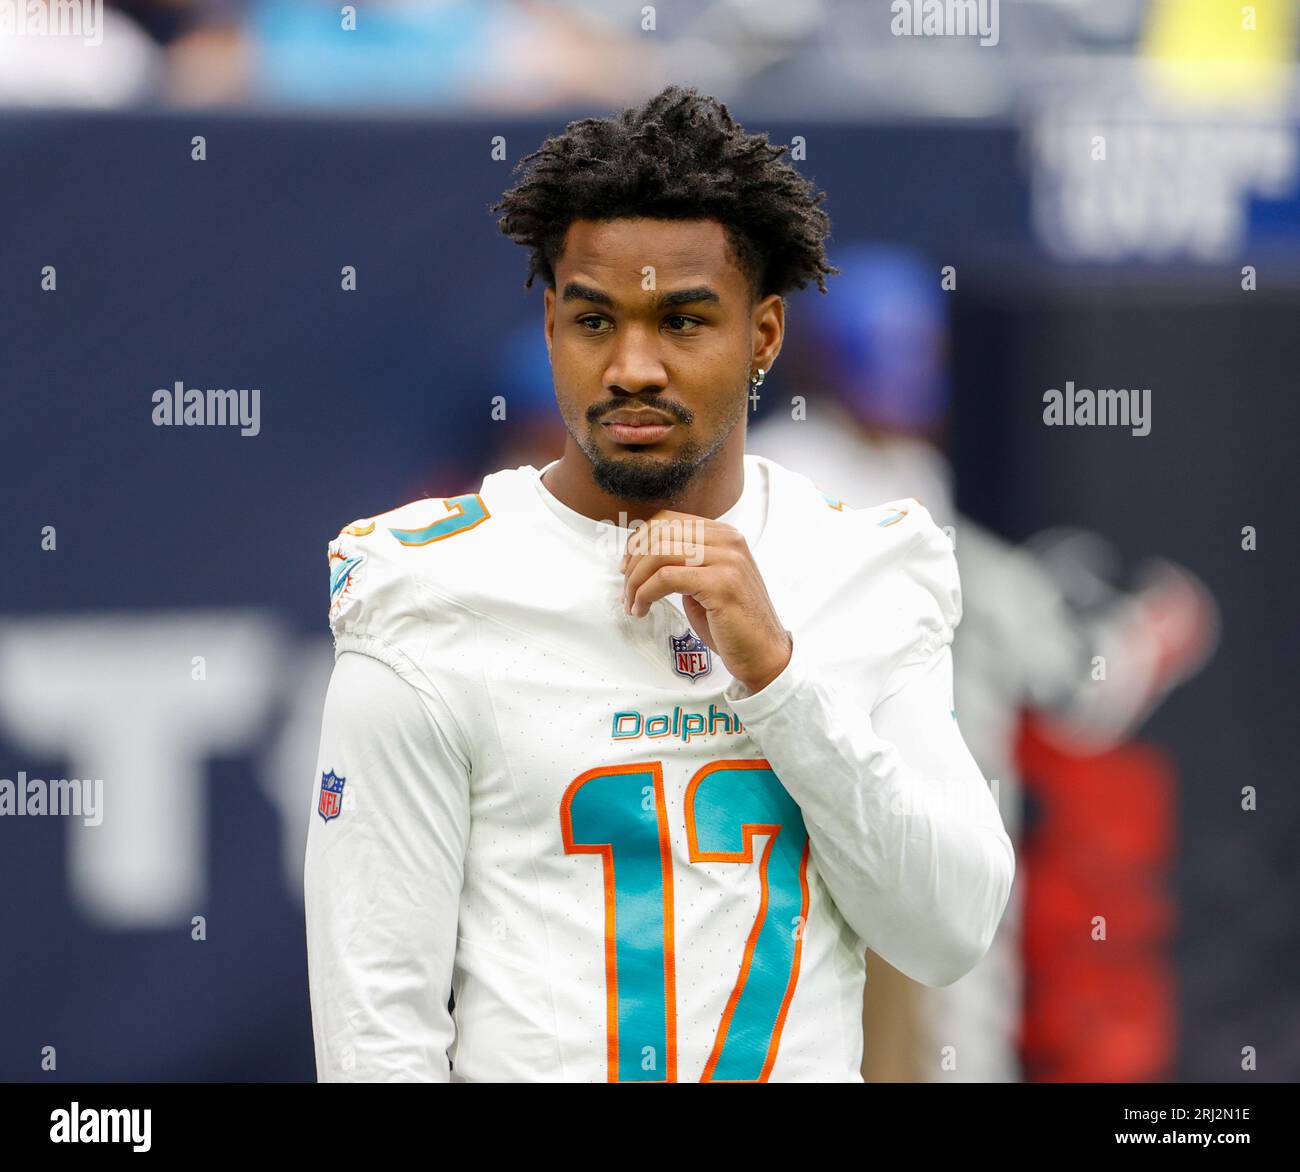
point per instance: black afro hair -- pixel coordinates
(680, 156)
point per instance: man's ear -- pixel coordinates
(769, 321)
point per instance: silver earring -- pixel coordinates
(757, 379)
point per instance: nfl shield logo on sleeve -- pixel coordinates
(331, 795)
(691, 656)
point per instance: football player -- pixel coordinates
(635, 754)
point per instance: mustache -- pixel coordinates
(597, 412)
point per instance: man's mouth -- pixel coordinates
(638, 433)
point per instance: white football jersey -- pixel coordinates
(623, 864)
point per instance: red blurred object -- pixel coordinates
(1100, 845)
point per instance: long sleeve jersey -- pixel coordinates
(623, 864)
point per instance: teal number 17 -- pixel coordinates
(618, 812)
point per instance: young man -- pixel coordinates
(639, 794)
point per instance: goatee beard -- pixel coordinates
(634, 479)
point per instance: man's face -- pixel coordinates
(653, 315)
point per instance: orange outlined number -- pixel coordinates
(619, 813)
(463, 513)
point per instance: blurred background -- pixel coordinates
(291, 195)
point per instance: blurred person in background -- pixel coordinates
(525, 427)
(413, 54)
(535, 431)
(76, 54)
(838, 58)
(517, 55)
(873, 365)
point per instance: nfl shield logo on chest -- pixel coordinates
(691, 656)
(331, 795)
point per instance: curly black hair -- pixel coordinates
(679, 156)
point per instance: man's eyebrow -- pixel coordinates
(573, 291)
(688, 297)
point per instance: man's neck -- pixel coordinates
(713, 490)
